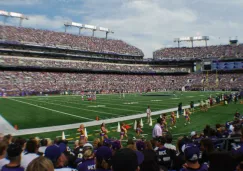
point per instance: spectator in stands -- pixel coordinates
(140, 145)
(40, 164)
(71, 158)
(96, 143)
(78, 151)
(88, 162)
(131, 145)
(30, 152)
(22, 142)
(116, 145)
(43, 146)
(1, 136)
(168, 144)
(55, 154)
(8, 138)
(238, 148)
(239, 167)
(207, 131)
(150, 162)
(127, 160)
(180, 157)
(14, 155)
(103, 159)
(3, 153)
(206, 147)
(107, 142)
(157, 131)
(165, 156)
(148, 145)
(222, 160)
(191, 152)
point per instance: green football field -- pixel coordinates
(37, 112)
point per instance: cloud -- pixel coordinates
(147, 24)
(19, 2)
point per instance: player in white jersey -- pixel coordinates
(148, 111)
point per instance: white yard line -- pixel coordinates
(102, 103)
(73, 107)
(64, 113)
(140, 102)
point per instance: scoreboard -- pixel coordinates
(217, 65)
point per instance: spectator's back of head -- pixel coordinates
(191, 152)
(43, 142)
(40, 164)
(150, 162)
(168, 138)
(125, 160)
(14, 151)
(1, 136)
(207, 145)
(221, 161)
(3, 147)
(20, 141)
(31, 146)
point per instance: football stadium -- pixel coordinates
(76, 102)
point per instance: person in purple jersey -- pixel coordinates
(14, 155)
(88, 163)
(165, 156)
(140, 145)
(103, 159)
(191, 152)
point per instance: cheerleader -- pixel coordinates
(139, 128)
(81, 130)
(103, 132)
(123, 131)
(187, 117)
(173, 120)
(164, 121)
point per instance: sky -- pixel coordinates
(146, 24)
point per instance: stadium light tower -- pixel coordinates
(86, 26)
(192, 39)
(178, 41)
(106, 34)
(6, 14)
(73, 24)
(106, 30)
(21, 17)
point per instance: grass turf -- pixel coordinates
(36, 112)
(33, 112)
(217, 114)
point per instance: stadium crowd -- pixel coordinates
(82, 65)
(199, 151)
(220, 51)
(71, 41)
(16, 82)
